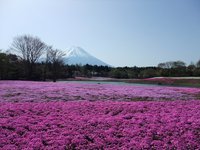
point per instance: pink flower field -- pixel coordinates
(72, 116)
(23, 91)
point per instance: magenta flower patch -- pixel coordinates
(100, 125)
(37, 115)
(22, 91)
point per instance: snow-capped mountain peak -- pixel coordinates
(77, 52)
(77, 55)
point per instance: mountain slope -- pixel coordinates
(77, 55)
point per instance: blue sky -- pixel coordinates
(119, 32)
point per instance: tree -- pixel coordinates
(178, 64)
(3, 65)
(55, 57)
(30, 50)
(172, 64)
(119, 73)
(166, 65)
(198, 64)
(162, 65)
(10, 66)
(149, 73)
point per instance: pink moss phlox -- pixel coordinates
(100, 125)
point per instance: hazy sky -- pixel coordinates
(119, 32)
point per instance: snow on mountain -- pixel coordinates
(77, 55)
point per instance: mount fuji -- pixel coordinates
(77, 55)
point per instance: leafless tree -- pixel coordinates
(55, 57)
(172, 64)
(30, 49)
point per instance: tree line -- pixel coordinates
(23, 63)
